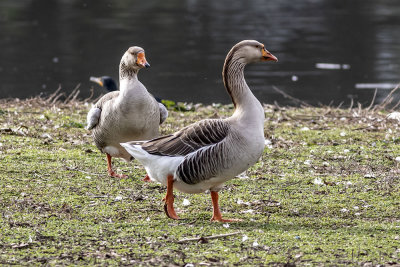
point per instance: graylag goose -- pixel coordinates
(206, 154)
(125, 115)
(109, 84)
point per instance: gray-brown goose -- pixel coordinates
(206, 154)
(109, 84)
(129, 114)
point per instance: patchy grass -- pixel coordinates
(326, 191)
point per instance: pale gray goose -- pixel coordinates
(109, 84)
(206, 154)
(125, 115)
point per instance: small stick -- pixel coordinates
(56, 98)
(340, 105)
(205, 238)
(100, 196)
(285, 95)
(91, 95)
(395, 106)
(388, 99)
(73, 94)
(50, 98)
(277, 105)
(373, 100)
(351, 104)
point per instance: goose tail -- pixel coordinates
(136, 151)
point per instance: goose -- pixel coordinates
(109, 84)
(128, 114)
(204, 155)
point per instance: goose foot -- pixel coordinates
(217, 217)
(116, 175)
(111, 172)
(146, 179)
(169, 199)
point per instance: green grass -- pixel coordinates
(325, 192)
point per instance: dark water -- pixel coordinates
(45, 43)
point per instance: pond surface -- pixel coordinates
(328, 50)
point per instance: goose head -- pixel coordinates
(249, 51)
(132, 61)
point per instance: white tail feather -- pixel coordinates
(136, 151)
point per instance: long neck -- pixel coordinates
(247, 106)
(233, 77)
(235, 84)
(129, 85)
(127, 73)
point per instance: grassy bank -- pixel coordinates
(326, 191)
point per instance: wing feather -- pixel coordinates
(189, 139)
(109, 96)
(94, 113)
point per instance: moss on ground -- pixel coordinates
(326, 191)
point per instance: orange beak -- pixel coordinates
(141, 60)
(267, 56)
(97, 80)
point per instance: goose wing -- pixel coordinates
(189, 139)
(94, 113)
(163, 112)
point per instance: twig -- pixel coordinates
(277, 105)
(268, 217)
(351, 104)
(305, 117)
(340, 105)
(388, 99)
(56, 98)
(205, 238)
(91, 95)
(395, 106)
(286, 186)
(6, 130)
(285, 95)
(373, 100)
(73, 94)
(319, 200)
(53, 95)
(76, 169)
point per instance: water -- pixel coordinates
(325, 47)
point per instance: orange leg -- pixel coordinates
(216, 212)
(169, 199)
(146, 179)
(110, 171)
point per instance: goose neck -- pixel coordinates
(247, 106)
(126, 72)
(235, 84)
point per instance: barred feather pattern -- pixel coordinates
(191, 138)
(204, 164)
(232, 73)
(125, 71)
